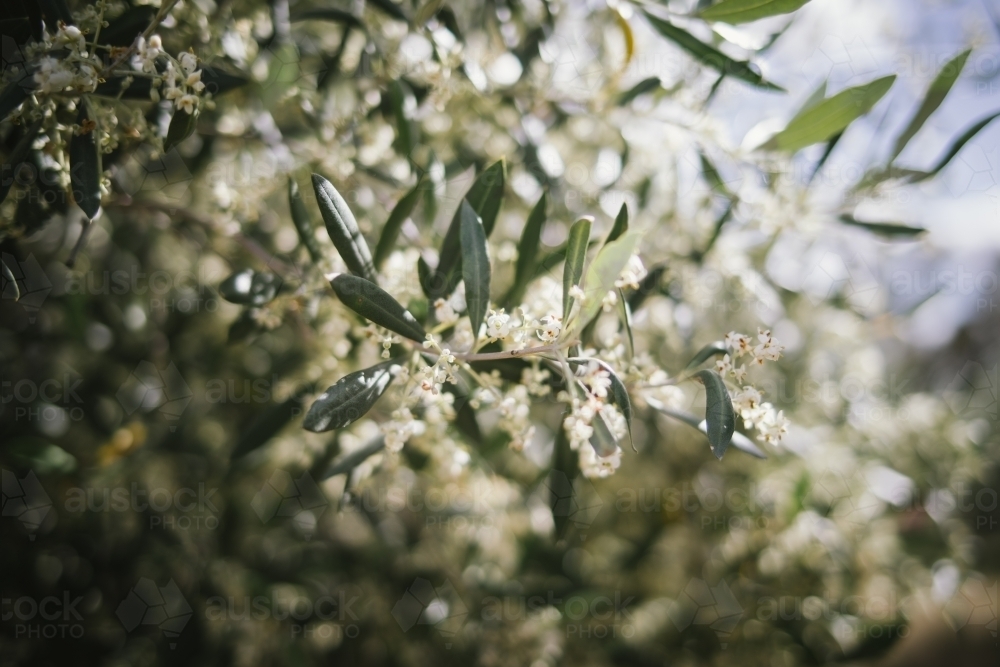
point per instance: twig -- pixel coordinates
(153, 25)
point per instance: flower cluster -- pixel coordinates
(69, 64)
(771, 424)
(180, 78)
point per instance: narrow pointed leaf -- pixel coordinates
(390, 231)
(620, 226)
(709, 55)
(939, 89)
(373, 303)
(955, 148)
(250, 288)
(830, 145)
(604, 271)
(398, 92)
(475, 267)
(706, 353)
(718, 412)
(9, 282)
(576, 257)
(16, 157)
(85, 167)
(815, 97)
(328, 14)
(712, 176)
(349, 399)
(527, 250)
(348, 462)
(303, 225)
(739, 441)
(343, 229)
(888, 229)
(619, 394)
(625, 315)
(182, 126)
(829, 117)
(743, 11)
(641, 88)
(485, 196)
(603, 440)
(425, 274)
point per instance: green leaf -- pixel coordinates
(398, 92)
(603, 440)
(712, 176)
(815, 97)
(620, 226)
(641, 88)
(9, 282)
(351, 460)
(250, 288)
(390, 8)
(955, 148)
(475, 267)
(349, 399)
(268, 423)
(123, 30)
(373, 303)
(425, 274)
(527, 251)
(625, 315)
(576, 257)
(739, 441)
(303, 225)
(710, 56)
(485, 196)
(328, 14)
(85, 168)
(343, 229)
(884, 228)
(16, 157)
(939, 89)
(719, 412)
(706, 353)
(604, 271)
(390, 231)
(618, 395)
(182, 126)
(744, 11)
(829, 117)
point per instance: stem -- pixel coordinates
(498, 356)
(150, 29)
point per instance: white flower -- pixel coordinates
(399, 429)
(194, 81)
(549, 328)
(497, 325)
(594, 466)
(769, 349)
(577, 293)
(596, 379)
(444, 312)
(632, 274)
(188, 103)
(738, 343)
(188, 61)
(772, 427)
(723, 365)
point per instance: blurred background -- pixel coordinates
(163, 505)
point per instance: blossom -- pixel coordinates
(593, 466)
(632, 274)
(188, 103)
(497, 325)
(738, 343)
(400, 428)
(549, 328)
(769, 349)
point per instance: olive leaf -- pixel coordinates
(824, 119)
(527, 250)
(743, 11)
(475, 267)
(351, 460)
(16, 157)
(705, 353)
(9, 282)
(576, 257)
(938, 90)
(328, 14)
(250, 288)
(603, 440)
(485, 196)
(390, 231)
(954, 149)
(349, 398)
(85, 166)
(620, 226)
(739, 441)
(887, 229)
(619, 394)
(375, 304)
(303, 225)
(343, 229)
(719, 414)
(641, 88)
(625, 315)
(181, 127)
(604, 271)
(709, 55)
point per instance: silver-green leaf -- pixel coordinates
(375, 304)
(343, 229)
(250, 288)
(604, 271)
(85, 166)
(735, 12)
(349, 399)
(475, 267)
(527, 251)
(939, 89)
(576, 257)
(300, 218)
(390, 231)
(719, 414)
